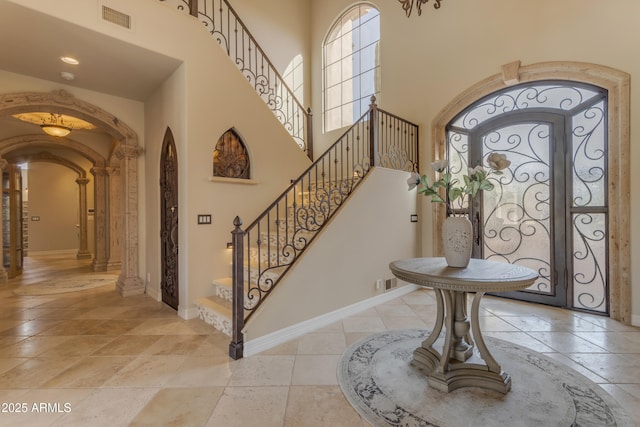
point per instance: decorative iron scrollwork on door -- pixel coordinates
(169, 212)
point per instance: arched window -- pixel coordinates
(293, 76)
(351, 66)
(230, 158)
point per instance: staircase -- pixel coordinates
(275, 249)
(232, 35)
(265, 250)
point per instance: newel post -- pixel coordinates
(373, 131)
(237, 340)
(309, 136)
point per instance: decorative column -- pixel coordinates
(100, 218)
(129, 283)
(115, 219)
(4, 276)
(83, 251)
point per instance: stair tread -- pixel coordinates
(216, 304)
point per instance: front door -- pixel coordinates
(169, 220)
(549, 209)
(523, 220)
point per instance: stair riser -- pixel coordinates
(219, 322)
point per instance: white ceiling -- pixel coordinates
(32, 44)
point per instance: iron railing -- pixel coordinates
(270, 245)
(231, 33)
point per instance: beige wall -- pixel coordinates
(426, 62)
(53, 197)
(203, 99)
(430, 59)
(341, 266)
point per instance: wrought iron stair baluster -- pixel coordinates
(311, 201)
(254, 64)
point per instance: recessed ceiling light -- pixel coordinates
(69, 60)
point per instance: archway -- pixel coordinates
(115, 183)
(82, 181)
(617, 83)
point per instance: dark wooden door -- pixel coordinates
(169, 220)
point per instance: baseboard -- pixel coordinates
(153, 293)
(635, 320)
(276, 338)
(188, 313)
(55, 252)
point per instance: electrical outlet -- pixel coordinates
(379, 284)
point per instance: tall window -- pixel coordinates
(351, 66)
(293, 76)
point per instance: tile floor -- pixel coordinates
(92, 358)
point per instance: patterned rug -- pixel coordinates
(80, 282)
(380, 381)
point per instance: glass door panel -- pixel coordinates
(517, 219)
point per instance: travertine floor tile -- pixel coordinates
(566, 342)
(146, 371)
(326, 343)
(262, 371)
(183, 345)
(43, 407)
(363, 324)
(88, 372)
(179, 407)
(33, 346)
(615, 368)
(315, 370)
(128, 345)
(33, 373)
(116, 360)
(82, 345)
(203, 371)
(250, 407)
(108, 407)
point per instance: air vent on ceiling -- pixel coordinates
(116, 17)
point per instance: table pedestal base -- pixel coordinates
(461, 362)
(454, 354)
(459, 374)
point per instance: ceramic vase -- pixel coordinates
(457, 238)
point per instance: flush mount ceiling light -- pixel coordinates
(55, 126)
(69, 60)
(407, 5)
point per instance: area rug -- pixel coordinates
(80, 282)
(382, 383)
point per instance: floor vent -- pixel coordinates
(116, 17)
(390, 283)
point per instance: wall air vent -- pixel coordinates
(116, 17)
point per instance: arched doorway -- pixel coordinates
(616, 85)
(115, 177)
(169, 220)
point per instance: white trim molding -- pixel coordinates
(281, 336)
